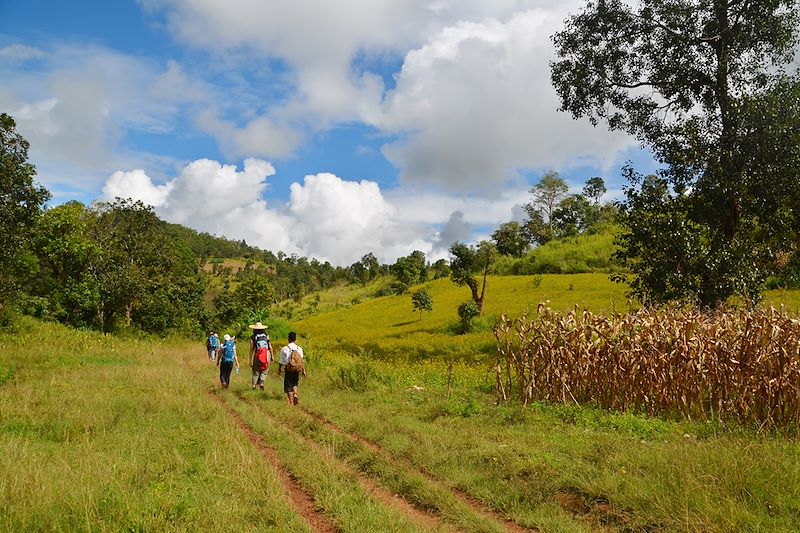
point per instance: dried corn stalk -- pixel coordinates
(732, 364)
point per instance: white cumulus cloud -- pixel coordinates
(474, 105)
(136, 184)
(325, 217)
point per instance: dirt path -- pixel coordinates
(301, 502)
(425, 520)
(318, 522)
(473, 504)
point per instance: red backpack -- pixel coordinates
(262, 347)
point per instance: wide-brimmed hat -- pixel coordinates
(227, 337)
(257, 325)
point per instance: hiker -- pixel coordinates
(260, 354)
(212, 345)
(227, 358)
(292, 359)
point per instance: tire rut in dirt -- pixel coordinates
(300, 501)
(468, 500)
(421, 517)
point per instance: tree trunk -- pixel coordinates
(728, 182)
(479, 301)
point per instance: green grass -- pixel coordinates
(388, 327)
(389, 471)
(559, 468)
(349, 506)
(619, 470)
(101, 434)
(579, 254)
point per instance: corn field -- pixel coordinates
(735, 365)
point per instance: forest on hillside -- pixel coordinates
(717, 221)
(116, 266)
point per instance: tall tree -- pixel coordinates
(66, 254)
(440, 269)
(146, 278)
(594, 189)
(545, 197)
(409, 270)
(573, 215)
(689, 79)
(469, 261)
(21, 201)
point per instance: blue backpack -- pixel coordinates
(227, 351)
(213, 341)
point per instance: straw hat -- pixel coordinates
(257, 325)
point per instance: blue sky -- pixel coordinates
(325, 129)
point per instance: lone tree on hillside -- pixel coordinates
(21, 201)
(703, 85)
(468, 261)
(421, 300)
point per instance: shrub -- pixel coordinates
(466, 312)
(356, 377)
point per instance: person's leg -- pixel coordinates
(290, 384)
(287, 388)
(225, 375)
(255, 379)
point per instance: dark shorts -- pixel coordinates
(290, 381)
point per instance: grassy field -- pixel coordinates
(388, 327)
(105, 434)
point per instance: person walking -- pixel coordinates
(212, 345)
(291, 359)
(226, 360)
(260, 354)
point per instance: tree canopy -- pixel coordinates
(696, 82)
(469, 261)
(21, 200)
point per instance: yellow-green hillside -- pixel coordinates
(388, 326)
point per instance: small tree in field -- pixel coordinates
(421, 300)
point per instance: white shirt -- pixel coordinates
(286, 352)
